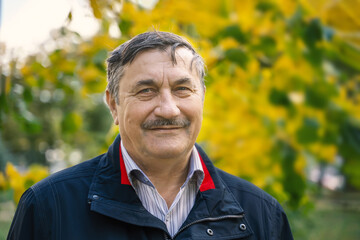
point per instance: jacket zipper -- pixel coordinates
(166, 237)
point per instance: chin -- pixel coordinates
(167, 151)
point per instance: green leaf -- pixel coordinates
(319, 93)
(308, 132)
(267, 46)
(100, 57)
(278, 97)
(71, 122)
(313, 33)
(237, 56)
(345, 53)
(350, 144)
(352, 170)
(33, 126)
(235, 32)
(27, 94)
(125, 26)
(265, 6)
(294, 184)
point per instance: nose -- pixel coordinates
(167, 106)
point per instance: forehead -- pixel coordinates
(154, 63)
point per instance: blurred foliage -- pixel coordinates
(18, 182)
(283, 87)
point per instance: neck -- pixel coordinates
(167, 175)
(165, 171)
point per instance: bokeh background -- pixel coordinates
(282, 107)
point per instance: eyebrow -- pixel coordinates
(182, 81)
(151, 82)
(146, 82)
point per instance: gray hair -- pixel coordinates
(126, 52)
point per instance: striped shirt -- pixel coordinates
(154, 203)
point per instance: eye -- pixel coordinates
(183, 89)
(146, 91)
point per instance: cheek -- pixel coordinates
(135, 113)
(194, 111)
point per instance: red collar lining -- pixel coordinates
(124, 176)
(207, 183)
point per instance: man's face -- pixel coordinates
(160, 105)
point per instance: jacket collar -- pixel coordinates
(206, 184)
(112, 195)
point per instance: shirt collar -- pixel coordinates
(196, 172)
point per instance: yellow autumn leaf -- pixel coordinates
(3, 182)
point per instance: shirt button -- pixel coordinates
(95, 197)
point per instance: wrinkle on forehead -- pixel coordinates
(156, 57)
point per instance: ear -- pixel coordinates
(112, 106)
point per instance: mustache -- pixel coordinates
(151, 124)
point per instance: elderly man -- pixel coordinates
(154, 182)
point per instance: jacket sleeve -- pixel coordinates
(284, 231)
(26, 224)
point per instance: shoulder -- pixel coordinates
(69, 176)
(44, 202)
(266, 215)
(263, 212)
(246, 192)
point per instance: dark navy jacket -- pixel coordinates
(94, 200)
